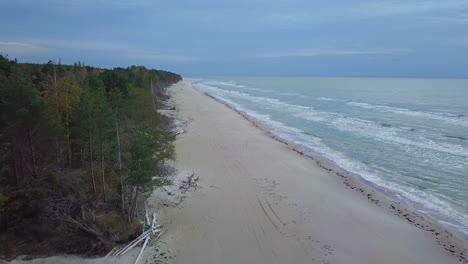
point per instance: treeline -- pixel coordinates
(78, 147)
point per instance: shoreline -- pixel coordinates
(452, 241)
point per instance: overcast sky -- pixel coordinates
(416, 38)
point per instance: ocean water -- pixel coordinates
(407, 136)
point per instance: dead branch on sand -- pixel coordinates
(190, 182)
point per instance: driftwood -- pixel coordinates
(178, 132)
(132, 244)
(146, 217)
(142, 249)
(151, 228)
(170, 251)
(190, 182)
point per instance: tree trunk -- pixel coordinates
(102, 168)
(82, 155)
(15, 165)
(153, 93)
(91, 161)
(57, 153)
(134, 205)
(21, 164)
(69, 145)
(129, 205)
(55, 81)
(33, 155)
(119, 159)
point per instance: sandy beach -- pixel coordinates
(261, 202)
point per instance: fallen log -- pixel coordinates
(133, 243)
(142, 249)
(145, 236)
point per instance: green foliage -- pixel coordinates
(150, 146)
(113, 222)
(60, 126)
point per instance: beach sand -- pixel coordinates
(261, 202)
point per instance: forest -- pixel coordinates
(79, 148)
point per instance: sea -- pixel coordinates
(407, 136)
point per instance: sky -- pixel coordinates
(369, 38)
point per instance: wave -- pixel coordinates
(456, 137)
(330, 99)
(236, 86)
(445, 117)
(383, 133)
(454, 119)
(225, 83)
(357, 126)
(265, 101)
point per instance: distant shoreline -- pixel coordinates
(453, 241)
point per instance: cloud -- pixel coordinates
(54, 47)
(319, 52)
(453, 20)
(11, 43)
(161, 57)
(73, 4)
(49, 45)
(319, 14)
(19, 48)
(395, 8)
(285, 20)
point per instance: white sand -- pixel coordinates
(261, 202)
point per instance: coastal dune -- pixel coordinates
(261, 202)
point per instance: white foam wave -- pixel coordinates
(265, 101)
(330, 99)
(392, 135)
(224, 83)
(445, 117)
